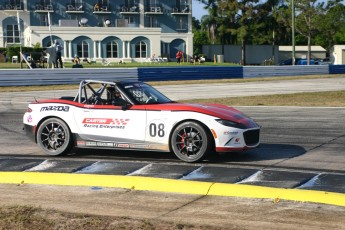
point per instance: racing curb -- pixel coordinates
(173, 186)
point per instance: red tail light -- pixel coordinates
(29, 110)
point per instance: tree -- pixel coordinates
(269, 27)
(200, 36)
(308, 11)
(209, 22)
(269, 22)
(228, 19)
(239, 22)
(245, 15)
(331, 31)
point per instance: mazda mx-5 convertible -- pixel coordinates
(135, 116)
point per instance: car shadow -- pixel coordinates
(265, 152)
(119, 154)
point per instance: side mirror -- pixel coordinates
(125, 106)
(121, 102)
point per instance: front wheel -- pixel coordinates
(54, 137)
(190, 142)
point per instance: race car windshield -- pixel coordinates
(145, 94)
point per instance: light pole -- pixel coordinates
(50, 29)
(293, 30)
(20, 40)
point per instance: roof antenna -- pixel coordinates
(35, 99)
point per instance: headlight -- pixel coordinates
(231, 124)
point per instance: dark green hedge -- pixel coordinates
(36, 53)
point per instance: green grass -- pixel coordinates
(9, 65)
(319, 99)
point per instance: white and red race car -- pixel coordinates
(135, 116)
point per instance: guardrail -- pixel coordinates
(63, 76)
(336, 69)
(74, 76)
(188, 73)
(271, 71)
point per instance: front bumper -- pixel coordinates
(238, 140)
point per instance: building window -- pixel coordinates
(182, 23)
(152, 2)
(140, 50)
(130, 3)
(43, 19)
(152, 22)
(182, 2)
(112, 49)
(83, 49)
(103, 2)
(76, 2)
(12, 34)
(45, 2)
(131, 19)
(14, 5)
(75, 5)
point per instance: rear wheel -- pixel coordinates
(54, 137)
(190, 142)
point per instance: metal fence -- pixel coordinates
(74, 76)
(188, 73)
(271, 71)
(63, 76)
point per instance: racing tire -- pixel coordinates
(190, 142)
(54, 137)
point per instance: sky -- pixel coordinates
(197, 9)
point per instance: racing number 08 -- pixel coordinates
(157, 130)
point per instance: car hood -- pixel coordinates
(216, 110)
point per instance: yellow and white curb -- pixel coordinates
(173, 186)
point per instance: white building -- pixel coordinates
(337, 55)
(100, 29)
(317, 52)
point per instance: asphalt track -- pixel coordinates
(301, 156)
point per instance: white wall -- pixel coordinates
(337, 55)
(23, 15)
(255, 54)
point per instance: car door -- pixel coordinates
(108, 123)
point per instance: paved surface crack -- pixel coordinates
(186, 204)
(328, 142)
(311, 149)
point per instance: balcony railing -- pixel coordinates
(101, 9)
(154, 9)
(129, 9)
(74, 8)
(181, 10)
(39, 7)
(12, 5)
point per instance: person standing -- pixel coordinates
(58, 48)
(178, 56)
